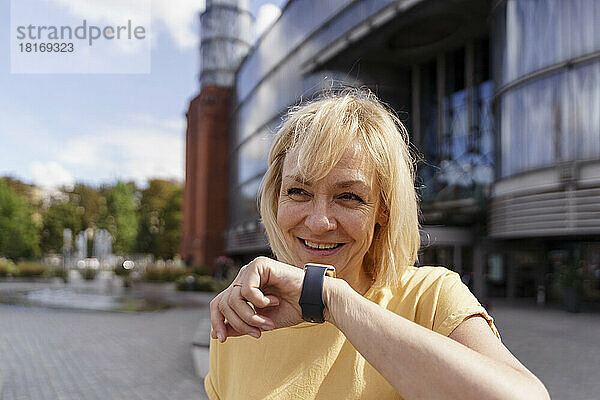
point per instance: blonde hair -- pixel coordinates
(321, 131)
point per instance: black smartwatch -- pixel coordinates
(311, 297)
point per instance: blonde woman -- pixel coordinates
(339, 195)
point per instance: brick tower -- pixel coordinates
(226, 33)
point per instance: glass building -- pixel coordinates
(501, 99)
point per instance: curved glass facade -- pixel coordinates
(243, 202)
(554, 116)
(534, 34)
(252, 156)
(456, 124)
(302, 28)
(272, 78)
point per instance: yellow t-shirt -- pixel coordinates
(310, 361)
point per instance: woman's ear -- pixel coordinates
(383, 216)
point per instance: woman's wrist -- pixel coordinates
(333, 293)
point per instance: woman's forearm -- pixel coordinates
(418, 362)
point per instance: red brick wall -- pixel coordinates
(207, 177)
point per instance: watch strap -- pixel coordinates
(311, 297)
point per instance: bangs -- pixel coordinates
(321, 137)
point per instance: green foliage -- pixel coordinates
(7, 267)
(121, 271)
(163, 274)
(572, 275)
(59, 272)
(201, 283)
(148, 221)
(56, 219)
(197, 283)
(89, 201)
(27, 269)
(200, 270)
(88, 274)
(18, 231)
(160, 218)
(173, 217)
(119, 217)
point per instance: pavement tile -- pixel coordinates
(51, 354)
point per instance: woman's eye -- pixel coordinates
(351, 197)
(297, 193)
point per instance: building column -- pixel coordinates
(479, 269)
(416, 104)
(511, 277)
(457, 257)
(207, 176)
(441, 93)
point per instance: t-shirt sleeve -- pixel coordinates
(455, 303)
(210, 384)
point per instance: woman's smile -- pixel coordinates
(321, 249)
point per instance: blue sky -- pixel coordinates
(60, 129)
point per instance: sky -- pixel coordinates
(61, 129)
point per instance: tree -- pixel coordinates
(119, 216)
(55, 219)
(18, 231)
(90, 202)
(173, 219)
(160, 218)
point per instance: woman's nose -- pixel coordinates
(320, 219)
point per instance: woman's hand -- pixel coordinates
(272, 287)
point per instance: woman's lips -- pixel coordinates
(320, 252)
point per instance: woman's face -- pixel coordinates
(330, 221)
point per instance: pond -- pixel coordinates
(105, 293)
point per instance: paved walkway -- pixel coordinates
(62, 354)
(78, 355)
(561, 348)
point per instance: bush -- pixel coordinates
(197, 283)
(60, 273)
(201, 283)
(222, 284)
(122, 271)
(89, 274)
(163, 274)
(200, 270)
(224, 267)
(7, 267)
(153, 274)
(27, 269)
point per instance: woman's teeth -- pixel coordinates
(320, 246)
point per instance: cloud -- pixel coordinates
(50, 174)
(147, 147)
(267, 14)
(177, 18)
(181, 20)
(143, 147)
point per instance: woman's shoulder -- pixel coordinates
(426, 276)
(416, 282)
(433, 297)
